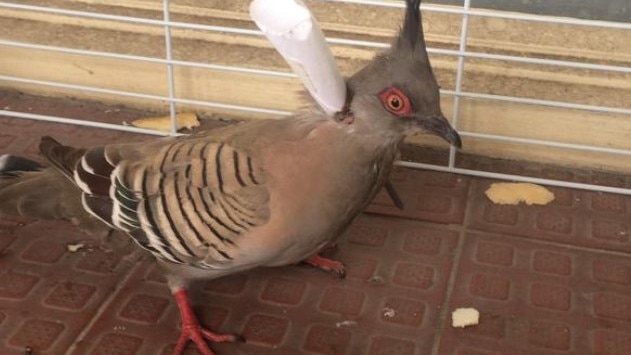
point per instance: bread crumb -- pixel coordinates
(389, 312)
(463, 317)
(346, 323)
(73, 248)
(186, 120)
(505, 193)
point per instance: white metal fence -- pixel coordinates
(462, 54)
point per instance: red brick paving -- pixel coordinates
(552, 279)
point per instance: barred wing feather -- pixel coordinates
(187, 202)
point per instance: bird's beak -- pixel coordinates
(439, 126)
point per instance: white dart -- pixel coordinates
(296, 35)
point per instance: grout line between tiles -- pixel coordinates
(415, 221)
(121, 282)
(555, 244)
(444, 314)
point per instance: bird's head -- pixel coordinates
(397, 90)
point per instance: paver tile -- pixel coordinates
(580, 218)
(536, 298)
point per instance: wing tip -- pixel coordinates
(10, 164)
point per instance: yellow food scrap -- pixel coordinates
(464, 317)
(73, 248)
(505, 193)
(163, 123)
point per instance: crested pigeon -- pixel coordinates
(261, 193)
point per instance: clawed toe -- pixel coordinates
(193, 331)
(328, 265)
(199, 335)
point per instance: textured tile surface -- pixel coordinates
(538, 298)
(431, 196)
(48, 295)
(579, 218)
(552, 279)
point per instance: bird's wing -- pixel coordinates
(187, 200)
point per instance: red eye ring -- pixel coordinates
(395, 101)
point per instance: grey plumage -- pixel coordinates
(10, 164)
(260, 193)
(29, 189)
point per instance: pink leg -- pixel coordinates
(327, 265)
(192, 330)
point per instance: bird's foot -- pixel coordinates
(329, 265)
(193, 331)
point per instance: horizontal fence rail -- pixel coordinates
(461, 53)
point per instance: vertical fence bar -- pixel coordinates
(169, 65)
(464, 31)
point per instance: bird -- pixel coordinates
(262, 193)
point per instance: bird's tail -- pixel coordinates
(31, 190)
(13, 170)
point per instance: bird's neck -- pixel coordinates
(369, 133)
(350, 131)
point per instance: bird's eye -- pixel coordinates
(395, 101)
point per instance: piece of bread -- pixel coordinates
(464, 317)
(184, 120)
(505, 193)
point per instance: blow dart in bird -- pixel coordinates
(261, 193)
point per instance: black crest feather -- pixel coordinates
(411, 24)
(411, 36)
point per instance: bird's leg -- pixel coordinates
(327, 265)
(392, 192)
(192, 330)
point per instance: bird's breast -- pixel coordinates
(319, 184)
